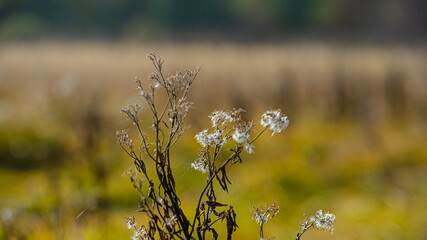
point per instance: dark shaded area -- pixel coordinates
(390, 20)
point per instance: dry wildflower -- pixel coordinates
(321, 220)
(154, 85)
(200, 165)
(123, 138)
(151, 56)
(220, 117)
(184, 107)
(325, 221)
(157, 60)
(212, 139)
(131, 111)
(261, 216)
(154, 77)
(139, 233)
(161, 203)
(240, 136)
(249, 148)
(130, 222)
(142, 92)
(275, 120)
(202, 138)
(216, 138)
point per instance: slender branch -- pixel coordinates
(303, 231)
(259, 134)
(210, 179)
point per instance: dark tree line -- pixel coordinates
(270, 18)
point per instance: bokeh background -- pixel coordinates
(350, 74)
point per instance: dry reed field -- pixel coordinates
(356, 145)
(341, 79)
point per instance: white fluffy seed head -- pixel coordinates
(275, 120)
(202, 138)
(321, 220)
(200, 165)
(249, 148)
(220, 117)
(325, 221)
(212, 139)
(240, 136)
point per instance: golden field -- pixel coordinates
(356, 145)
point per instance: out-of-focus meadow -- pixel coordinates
(356, 145)
(351, 76)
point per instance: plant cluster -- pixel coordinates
(161, 203)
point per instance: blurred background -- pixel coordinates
(350, 74)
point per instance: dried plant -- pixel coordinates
(161, 204)
(321, 220)
(261, 216)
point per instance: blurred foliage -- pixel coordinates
(235, 19)
(356, 145)
(23, 27)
